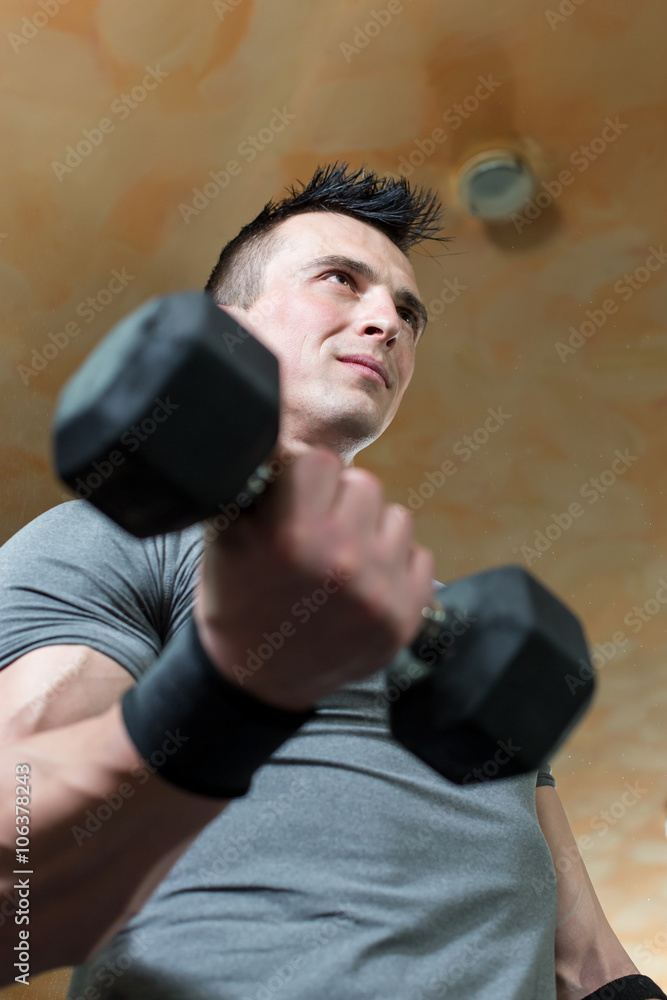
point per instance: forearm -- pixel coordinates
(587, 952)
(116, 860)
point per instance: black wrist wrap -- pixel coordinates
(199, 730)
(628, 988)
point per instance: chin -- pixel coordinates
(344, 432)
(352, 418)
(360, 414)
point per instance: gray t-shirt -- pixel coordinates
(350, 869)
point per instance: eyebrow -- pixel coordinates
(404, 295)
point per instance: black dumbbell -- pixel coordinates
(169, 416)
(172, 418)
(484, 688)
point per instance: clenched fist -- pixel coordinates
(316, 585)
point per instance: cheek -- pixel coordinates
(406, 370)
(299, 333)
(294, 350)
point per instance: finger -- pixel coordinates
(358, 502)
(419, 584)
(305, 489)
(397, 530)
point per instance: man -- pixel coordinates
(348, 867)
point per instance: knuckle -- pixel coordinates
(425, 564)
(363, 480)
(289, 540)
(348, 561)
(318, 463)
(425, 555)
(321, 457)
(377, 607)
(430, 563)
(402, 512)
(403, 518)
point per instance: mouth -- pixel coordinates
(369, 366)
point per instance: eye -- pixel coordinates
(340, 274)
(413, 318)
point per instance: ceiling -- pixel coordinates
(555, 323)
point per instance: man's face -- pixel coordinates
(315, 312)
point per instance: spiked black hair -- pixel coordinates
(404, 216)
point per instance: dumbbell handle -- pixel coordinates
(434, 616)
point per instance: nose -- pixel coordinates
(381, 320)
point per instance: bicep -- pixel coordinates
(55, 686)
(83, 611)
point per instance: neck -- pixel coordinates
(346, 438)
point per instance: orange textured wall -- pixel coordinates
(502, 298)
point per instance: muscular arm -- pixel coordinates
(588, 953)
(84, 610)
(85, 885)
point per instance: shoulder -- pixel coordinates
(79, 522)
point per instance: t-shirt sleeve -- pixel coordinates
(545, 777)
(73, 576)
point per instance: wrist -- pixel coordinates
(597, 969)
(188, 810)
(632, 987)
(227, 659)
(224, 733)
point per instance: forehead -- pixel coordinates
(313, 234)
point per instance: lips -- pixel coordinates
(368, 362)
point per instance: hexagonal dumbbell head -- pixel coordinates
(169, 416)
(486, 694)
